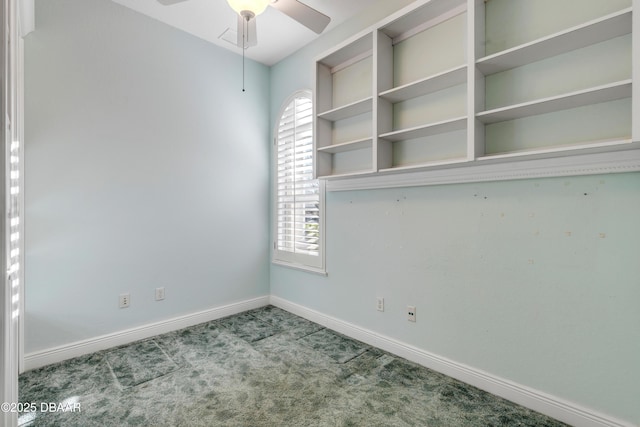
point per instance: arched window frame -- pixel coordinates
(294, 253)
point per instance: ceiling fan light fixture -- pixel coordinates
(254, 6)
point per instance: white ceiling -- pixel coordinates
(278, 35)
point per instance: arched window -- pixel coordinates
(299, 198)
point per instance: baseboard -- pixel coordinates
(79, 348)
(544, 403)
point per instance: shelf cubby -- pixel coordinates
(344, 78)
(450, 125)
(426, 165)
(507, 24)
(349, 110)
(592, 32)
(345, 163)
(434, 83)
(425, 15)
(565, 149)
(347, 146)
(580, 98)
(589, 125)
(427, 151)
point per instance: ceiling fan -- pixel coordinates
(247, 11)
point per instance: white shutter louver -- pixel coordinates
(13, 262)
(297, 193)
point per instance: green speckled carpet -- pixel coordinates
(265, 367)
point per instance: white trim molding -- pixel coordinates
(536, 400)
(79, 348)
(500, 169)
(27, 13)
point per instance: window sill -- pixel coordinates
(301, 267)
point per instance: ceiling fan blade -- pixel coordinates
(307, 16)
(246, 30)
(169, 2)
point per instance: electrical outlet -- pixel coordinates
(380, 304)
(159, 294)
(125, 300)
(411, 313)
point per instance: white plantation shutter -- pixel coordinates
(298, 237)
(11, 129)
(15, 240)
(14, 243)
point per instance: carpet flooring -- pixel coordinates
(264, 367)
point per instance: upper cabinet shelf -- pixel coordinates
(599, 30)
(457, 84)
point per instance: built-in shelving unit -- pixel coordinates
(462, 83)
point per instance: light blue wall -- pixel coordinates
(534, 281)
(146, 166)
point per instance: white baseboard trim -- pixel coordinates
(544, 403)
(79, 348)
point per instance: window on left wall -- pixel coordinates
(299, 198)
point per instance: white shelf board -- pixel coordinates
(592, 32)
(604, 93)
(358, 173)
(458, 123)
(349, 110)
(347, 146)
(593, 146)
(424, 165)
(448, 78)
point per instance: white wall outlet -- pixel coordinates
(380, 304)
(411, 313)
(125, 300)
(159, 294)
